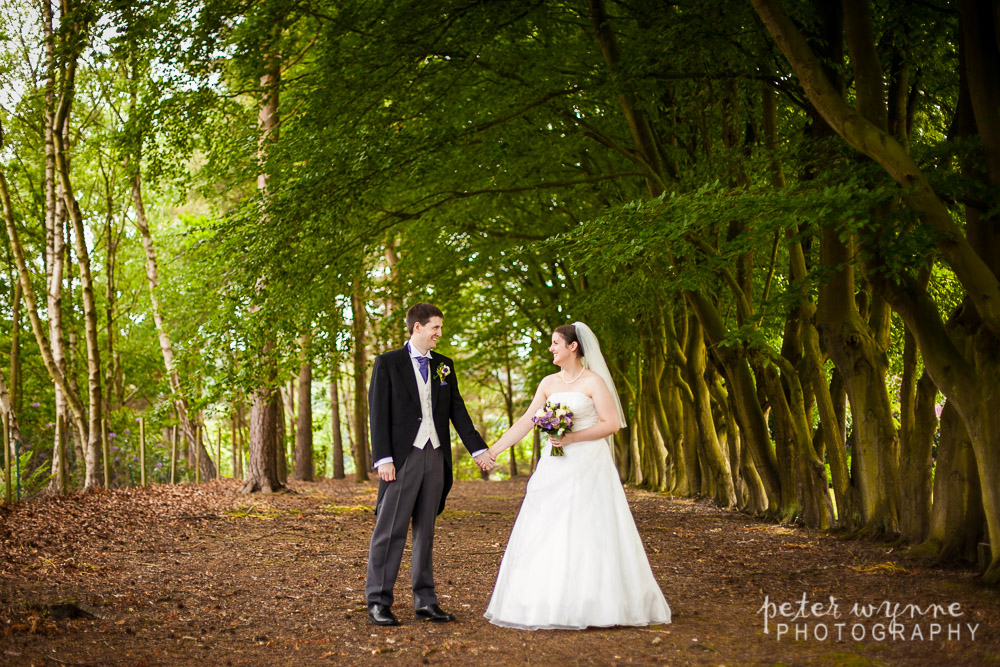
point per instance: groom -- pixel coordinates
(412, 396)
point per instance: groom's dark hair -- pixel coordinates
(422, 312)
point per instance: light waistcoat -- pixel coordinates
(426, 431)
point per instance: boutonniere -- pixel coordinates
(442, 372)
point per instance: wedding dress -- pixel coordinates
(574, 558)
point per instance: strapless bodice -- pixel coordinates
(581, 405)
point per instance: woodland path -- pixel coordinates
(202, 575)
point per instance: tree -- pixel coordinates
(957, 370)
(262, 463)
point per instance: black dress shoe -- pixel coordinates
(432, 612)
(381, 614)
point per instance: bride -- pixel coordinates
(574, 558)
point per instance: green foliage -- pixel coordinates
(29, 474)
(486, 144)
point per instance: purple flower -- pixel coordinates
(138, 419)
(135, 458)
(158, 465)
(50, 425)
(118, 458)
(111, 435)
(555, 419)
(126, 431)
(36, 405)
(114, 448)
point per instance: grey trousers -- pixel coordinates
(415, 495)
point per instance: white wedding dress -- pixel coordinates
(574, 558)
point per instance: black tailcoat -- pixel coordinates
(394, 409)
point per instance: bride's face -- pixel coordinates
(561, 352)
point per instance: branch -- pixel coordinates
(544, 99)
(453, 195)
(742, 304)
(949, 369)
(981, 284)
(592, 132)
(296, 59)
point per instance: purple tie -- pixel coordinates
(423, 363)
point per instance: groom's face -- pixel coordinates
(425, 336)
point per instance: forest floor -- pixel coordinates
(189, 575)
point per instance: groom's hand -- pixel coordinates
(387, 472)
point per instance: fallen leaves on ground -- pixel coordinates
(185, 574)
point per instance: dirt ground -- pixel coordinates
(189, 575)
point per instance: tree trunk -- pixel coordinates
(60, 201)
(918, 423)
(749, 413)
(809, 471)
(875, 451)
(337, 436)
(361, 462)
(348, 392)
(289, 418)
(262, 469)
(711, 450)
(677, 470)
(15, 349)
(830, 420)
(55, 248)
(6, 406)
(480, 413)
(93, 475)
(237, 449)
(656, 448)
(262, 460)
(153, 279)
(111, 249)
(395, 314)
(630, 465)
(77, 434)
(844, 492)
(952, 535)
(281, 439)
(508, 396)
(304, 465)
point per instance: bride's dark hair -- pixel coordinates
(568, 333)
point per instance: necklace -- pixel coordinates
(563, 373)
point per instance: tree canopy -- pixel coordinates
(778, 216)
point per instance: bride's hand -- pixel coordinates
(566, 439)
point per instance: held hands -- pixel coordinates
(486, 461)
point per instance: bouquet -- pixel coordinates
(554, 419)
